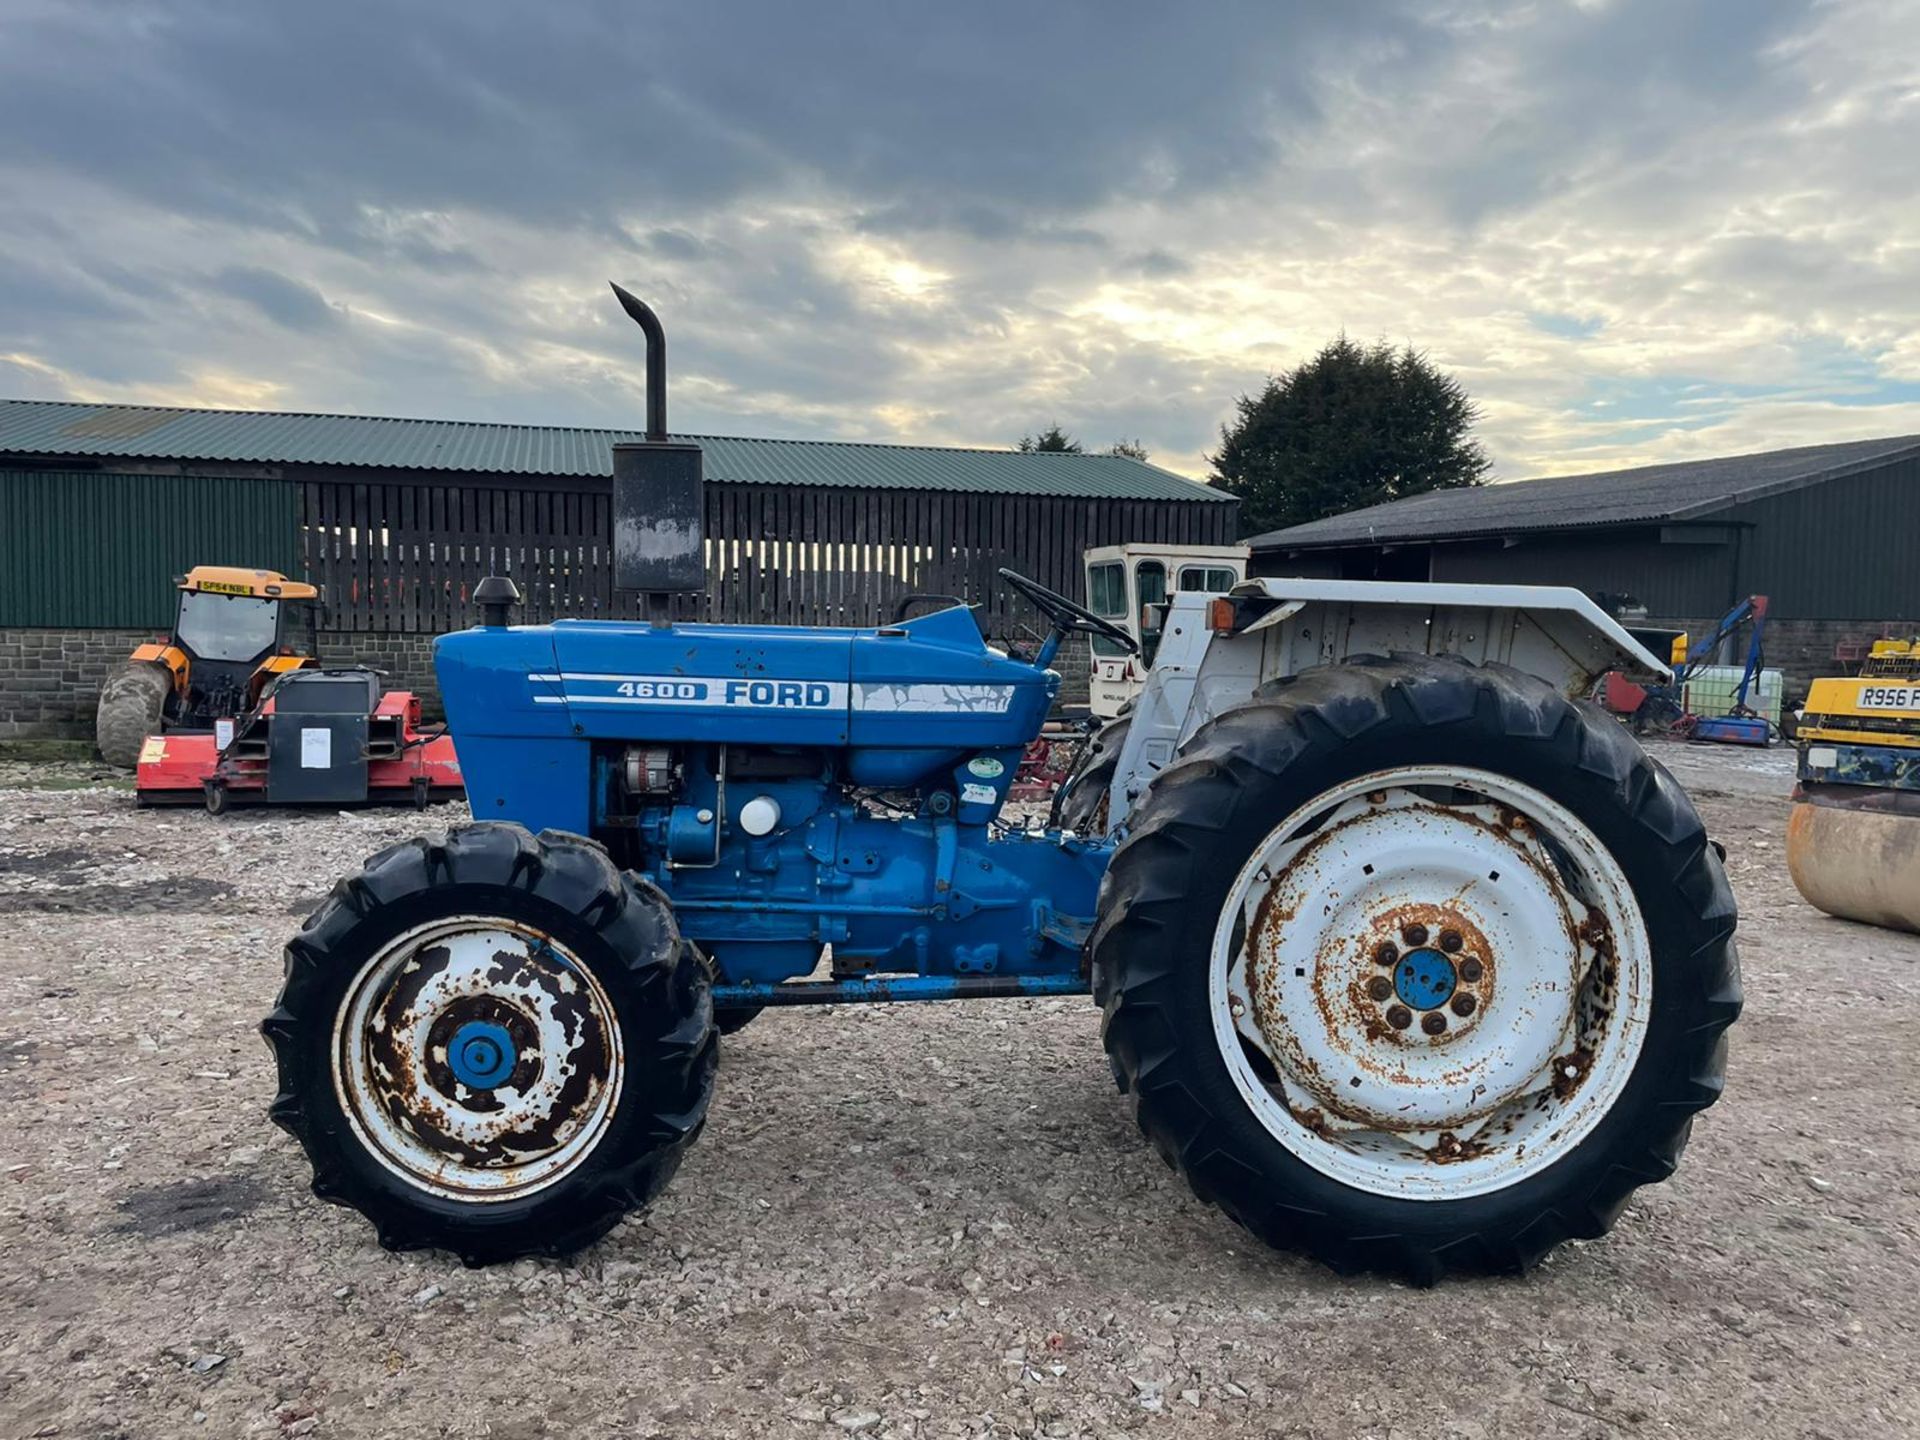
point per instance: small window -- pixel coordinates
(1107, 590)
(1150, 580)
(1208, 579)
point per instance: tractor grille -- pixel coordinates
(1892, 667)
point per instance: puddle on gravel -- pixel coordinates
(45, 862)
(188, 1205)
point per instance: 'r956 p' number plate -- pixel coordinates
(1890, 697)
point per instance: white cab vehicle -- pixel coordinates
(1123, 581)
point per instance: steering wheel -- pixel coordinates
(1065, 614)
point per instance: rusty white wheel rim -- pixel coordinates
(1508, 921)
(477, 1059)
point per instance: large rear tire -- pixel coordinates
(1417, 967)
(132, 703)
(493, 1043)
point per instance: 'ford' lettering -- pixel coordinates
(800, 694)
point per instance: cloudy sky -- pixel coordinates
(1636, 229)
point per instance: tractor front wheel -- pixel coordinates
(493, 1043)
(1417, 967)
(1081, 802)
(132, 704)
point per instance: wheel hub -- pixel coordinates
(1424, 979)
(481, 1054)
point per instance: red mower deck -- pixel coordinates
(405, 764)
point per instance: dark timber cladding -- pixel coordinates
(404, 554)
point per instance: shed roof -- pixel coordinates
(1686, 490)
(153, 432)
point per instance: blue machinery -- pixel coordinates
(1740, 726)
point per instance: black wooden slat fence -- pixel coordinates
(404, 557)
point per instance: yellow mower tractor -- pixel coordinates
(235, 630)
(1853, 839)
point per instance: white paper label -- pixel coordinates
(1822, 757)
(978, 794)
(222, 733)
(316, 749)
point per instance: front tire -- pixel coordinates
(1534, 1048)
(733, 1021)
(494, 1044)
(132, 705)
(1081, 802)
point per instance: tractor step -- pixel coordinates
(881, 988)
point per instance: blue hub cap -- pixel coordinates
(1424, 979)
(481, 1054)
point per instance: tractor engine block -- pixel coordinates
(770, 855)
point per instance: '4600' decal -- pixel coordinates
(676, 692)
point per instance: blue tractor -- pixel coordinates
(1407, 958)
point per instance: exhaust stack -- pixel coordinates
(658, 491)
(649, 322)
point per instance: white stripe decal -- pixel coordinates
(681, 692)
(901, 699)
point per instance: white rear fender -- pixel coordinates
(1289, 625)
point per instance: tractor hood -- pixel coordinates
(931, 683)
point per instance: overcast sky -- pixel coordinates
(1636, 229)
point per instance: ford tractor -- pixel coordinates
(1406, 957)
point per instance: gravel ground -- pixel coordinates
(922, 1220)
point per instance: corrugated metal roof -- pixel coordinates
(1650, 494)
(46, 427)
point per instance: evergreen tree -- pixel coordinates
(1354, 426)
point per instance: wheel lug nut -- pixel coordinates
(1449, 940)
(1463, 1005)
(1379, 987)
(1385, 954)
(1433, 1022)
(1399, 1017)
(1470, 970)
(1415, 934)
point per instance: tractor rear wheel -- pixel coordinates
(132, 704)
(1463, 977)
(493, 1043)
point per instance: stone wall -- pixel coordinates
(49, 679)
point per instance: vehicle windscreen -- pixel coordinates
(227, 627)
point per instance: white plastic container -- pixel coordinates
(1711, 690)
